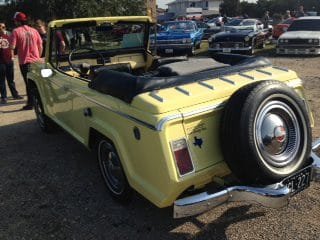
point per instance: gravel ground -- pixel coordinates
(50, 188)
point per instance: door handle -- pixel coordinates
(87, 112)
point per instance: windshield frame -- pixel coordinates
(54, 60)
(165, 25)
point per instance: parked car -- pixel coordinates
(177, 37)
(215, 22)
(282, 27)
(237, 129)
(207, 30)
(244, 40)
(302, 37)
(239, 23)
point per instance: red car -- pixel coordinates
(282, 27)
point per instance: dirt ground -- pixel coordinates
(50, 188)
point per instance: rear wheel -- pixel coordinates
(266, 133)
(112, 172)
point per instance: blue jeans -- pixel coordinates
(6, 72)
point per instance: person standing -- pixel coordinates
(287, 15)
(300, 12)
(42, 30)
(6, 66)
(28, 43)
(266, 19)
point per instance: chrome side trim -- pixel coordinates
(204, 110)
(207, 85)
(161, 124)
(148, 125)
(180, 89)
(274, 196)
(264, 72)
(154, 95)
(246, 76)
(227, 80)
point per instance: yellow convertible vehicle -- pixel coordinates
(193, 133)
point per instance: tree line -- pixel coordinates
(61, 9)
(275, 7)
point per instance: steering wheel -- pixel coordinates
(83, 65)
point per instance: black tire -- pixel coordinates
(44, 122)
(192, 51)
(265, 133)
(112, 172)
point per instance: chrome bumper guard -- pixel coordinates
(273, 196)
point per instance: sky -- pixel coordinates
(162, 3)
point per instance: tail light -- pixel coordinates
(182, 156)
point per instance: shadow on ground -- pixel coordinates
(51, 189)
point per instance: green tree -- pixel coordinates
(57, 9)
(230, 7)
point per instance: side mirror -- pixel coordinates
(46, 73)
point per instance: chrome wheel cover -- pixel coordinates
(277, 134)
(110, 168)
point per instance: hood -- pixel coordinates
(172, 35)
(300, 35)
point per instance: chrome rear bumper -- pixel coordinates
(274, 196)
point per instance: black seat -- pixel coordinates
(191, 66)
(119, 67)
(126, 86)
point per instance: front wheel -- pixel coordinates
(192, 51)
(113, 173)
(44, 122)
(251, 51)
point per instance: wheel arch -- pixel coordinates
(97, 133)
(32, 84)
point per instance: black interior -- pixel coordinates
(121, 83)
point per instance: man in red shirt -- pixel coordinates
(29, 48)
(6, 66)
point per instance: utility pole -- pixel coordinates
(151, 6)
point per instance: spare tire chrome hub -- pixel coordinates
(274, 134)
(277, 134)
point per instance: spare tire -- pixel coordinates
(265, 133)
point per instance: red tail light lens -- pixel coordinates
(182, 156)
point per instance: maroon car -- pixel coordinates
(282, 27)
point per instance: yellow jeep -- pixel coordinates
(234, 128)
